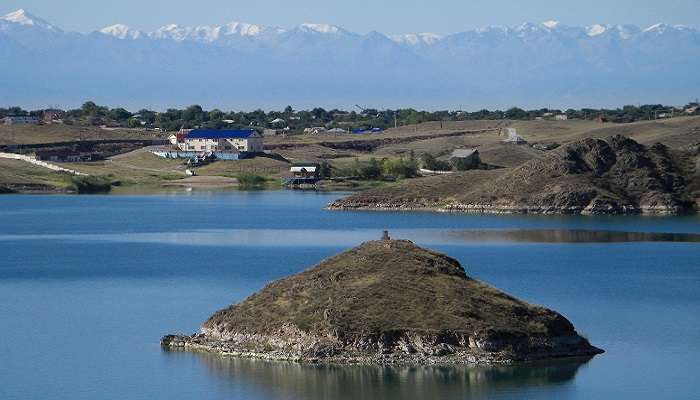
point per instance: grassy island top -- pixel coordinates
(383, 287)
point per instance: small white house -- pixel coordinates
(561, 117)
(315, 130)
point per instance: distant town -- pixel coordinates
(98, 148)
(319, 120)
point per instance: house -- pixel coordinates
(20, 120)
(314, 130)
(305, 170)
(234, 141)
(512, 136)
(465, 159)
(278, 121)
(561, 117)
(49, 116)
(273, 132)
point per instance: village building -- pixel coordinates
(305, 170)
(20, 120)
(208, 140)
(274, 132)
(304, 175)
(50, 116)
(67, 155)
(314, 130)
(561, 117)
(465, 159)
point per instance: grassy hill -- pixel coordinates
(387, 301)
(592, 176)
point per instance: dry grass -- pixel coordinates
(32, 134)
(386, 287)
(24, 176)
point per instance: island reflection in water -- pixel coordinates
(321, 381)
(569, 236)
(323, 237)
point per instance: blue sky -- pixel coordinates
(388, 16)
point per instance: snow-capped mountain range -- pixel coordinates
(245, 65)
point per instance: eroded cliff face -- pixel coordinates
(592, 176)
(384, 302)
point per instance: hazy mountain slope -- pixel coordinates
(247, 65)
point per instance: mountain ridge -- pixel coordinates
(247, 65)
(23, 17)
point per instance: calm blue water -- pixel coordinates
(88, 284)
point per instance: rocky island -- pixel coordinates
(386, 301)
(616, 175)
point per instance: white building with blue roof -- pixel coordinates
(233, 141)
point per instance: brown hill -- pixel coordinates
(591, 176)
(386, 301)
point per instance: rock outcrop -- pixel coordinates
(386, 301)
(591, 176)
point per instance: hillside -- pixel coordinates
(386, 301)
(590, 176)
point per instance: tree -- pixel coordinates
(193, 114)
(430, 162)
(133, 123)
(325, 170)
(371, 171)
(118, 114)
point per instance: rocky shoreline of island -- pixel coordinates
(410, 350)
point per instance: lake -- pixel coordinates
(89, 284)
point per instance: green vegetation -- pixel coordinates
(251, 181)
(195, 116)
(6, 190)
(91, 184)
(384, 169)
(430, 162)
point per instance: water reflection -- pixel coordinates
(570, 236)
(292, 380)
(338, 238)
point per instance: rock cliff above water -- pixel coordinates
(592, 176)
(386, 301)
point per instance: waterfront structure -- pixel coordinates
(305, 170)
(304, 175)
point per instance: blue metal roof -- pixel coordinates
(216, 134)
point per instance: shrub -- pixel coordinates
(430, 162)
(251, 180)
(400, 168)
(91, 184)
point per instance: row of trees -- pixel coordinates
(195, 116)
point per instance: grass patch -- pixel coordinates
(251, 181)
(91, 184)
